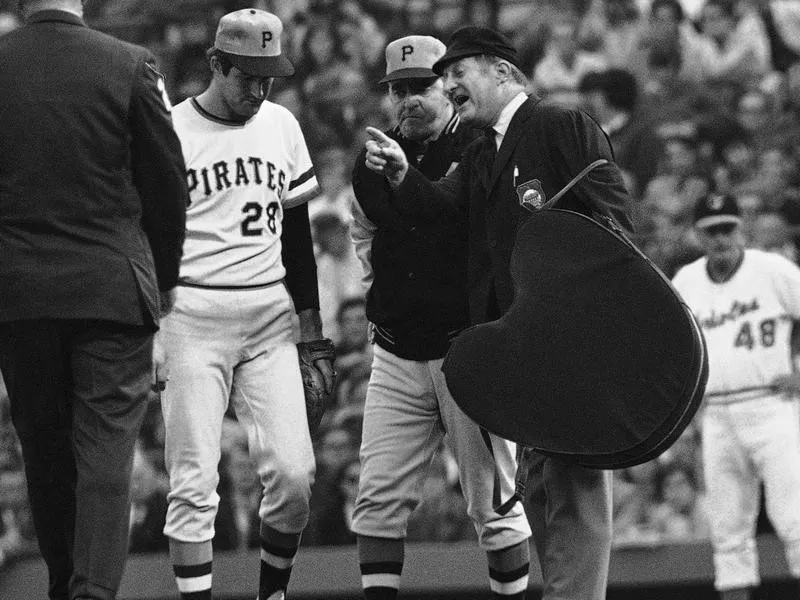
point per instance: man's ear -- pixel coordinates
(502, 71)
(213, 63)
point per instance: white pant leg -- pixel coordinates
(201, 349)
(401, 432)
(773, 436)
(270, 403)
(733, 500)
(487, 474)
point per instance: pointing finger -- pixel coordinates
(379, 136)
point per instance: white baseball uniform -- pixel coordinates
(229, 336)
(750, 432)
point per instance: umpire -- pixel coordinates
(92, 217)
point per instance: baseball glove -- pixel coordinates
(315, 386)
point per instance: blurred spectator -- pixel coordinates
(610, 96)
(481, 13)
(332, 165)
(674, 191)
(633, 497)
(362, 41)
(680, 513)
(614, 28)
(336, 451)
(8, 22)
(564, 64)
(338, 268)
(441, 516)
(148, 506)
(782, 23)
(771, 232)
(17, 535)
(353, 348)
(330, 84)
(669, 41)
(736, 51)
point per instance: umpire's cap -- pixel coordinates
(473, 41)
(412, 57)
(251, 39)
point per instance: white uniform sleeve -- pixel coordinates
(787, 284)
(362, 231)
(303, 185)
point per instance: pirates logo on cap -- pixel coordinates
(252, 40)
(412, 57)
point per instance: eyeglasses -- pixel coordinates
(722, 228)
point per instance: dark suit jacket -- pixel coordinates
(548, 143)
(92, 180)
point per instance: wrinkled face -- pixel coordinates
(418, 106)
(472, 85)
(242, 95)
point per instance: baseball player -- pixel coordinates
(745, 301)
(230, 337)
(417, 303)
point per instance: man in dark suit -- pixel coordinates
(530, 151)
(92, 217)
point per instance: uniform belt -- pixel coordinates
(257, 286)
(740, 395)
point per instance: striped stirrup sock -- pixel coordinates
(381, 562)
(508, 571)
(278, 552)
(192, 563)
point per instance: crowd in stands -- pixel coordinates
(694, 97)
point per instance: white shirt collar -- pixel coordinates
(501, 126)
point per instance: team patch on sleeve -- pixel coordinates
(160, 85)
(302, 189)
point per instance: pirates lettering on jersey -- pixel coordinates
(223, 175)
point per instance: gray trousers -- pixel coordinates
(569, 509)
(78, 392)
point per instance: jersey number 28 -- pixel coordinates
(253, 212)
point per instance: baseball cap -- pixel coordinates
(252, 40)
(472, 41)
(715, 209)
(412, 57)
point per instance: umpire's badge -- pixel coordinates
(531, 195)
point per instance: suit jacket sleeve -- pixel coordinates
(579, 141)
(297, 252)
(438, 200)
(159, 172)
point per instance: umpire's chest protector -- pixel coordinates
(597, 359)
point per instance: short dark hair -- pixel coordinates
(617, 85)
(225, 63)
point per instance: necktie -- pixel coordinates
(491, 137)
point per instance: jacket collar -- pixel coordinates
(60, 16)
(510, 139)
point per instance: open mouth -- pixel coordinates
(459, 99)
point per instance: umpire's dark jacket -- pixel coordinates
(544, 142)
(92, 179)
